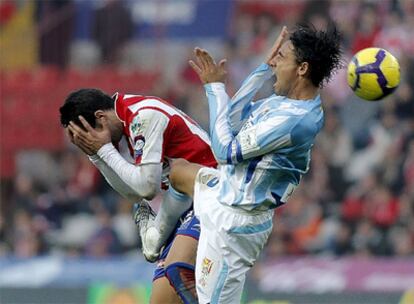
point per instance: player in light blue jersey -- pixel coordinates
(262, 147)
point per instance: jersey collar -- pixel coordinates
(120, 107)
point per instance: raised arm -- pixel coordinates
(273, 131)
(242, 102)
(266, 135)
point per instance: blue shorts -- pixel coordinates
(188, 225)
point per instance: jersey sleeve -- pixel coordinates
(242, 103)
(143, 180)
(146, 131)
(125, 187)
(271, 132)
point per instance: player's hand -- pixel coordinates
(278, 43)
(75, 140)
(206, 67)
(91, 140)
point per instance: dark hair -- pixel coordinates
(84, 102)
(320, 48)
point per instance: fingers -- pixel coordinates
(69, 133)
(74, 128)
(81, 141)
(278, 43)
(72, 132)
(222, 63)
(284, 32)
(221, 66)
(77, 132)
(86, 124)
(73, 135)
(195, 67)
(206, 68)
(199, 58)
(207, 57)
(85, 147)
(204, 58)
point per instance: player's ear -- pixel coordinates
(99, 114)
(303, 68)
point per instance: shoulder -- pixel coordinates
(277, 113)
(150, 115)
(148, 120)
(127, 105)
(305, 128)
(153, 105)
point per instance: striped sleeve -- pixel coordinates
(220, 129)
(271, 132)
(242, 104)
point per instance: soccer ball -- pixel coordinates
(373, 73)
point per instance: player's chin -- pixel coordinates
(116, 138)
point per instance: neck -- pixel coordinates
(303, 90)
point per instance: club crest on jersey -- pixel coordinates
(247, 124)
(248, 140)
(209, 179)
(212, 182)
(139, 143)
(206, 266)
(136, 126)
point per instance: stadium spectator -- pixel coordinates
(367, 29)
(112, 28)
(55, 26)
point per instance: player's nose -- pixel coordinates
(272, 62)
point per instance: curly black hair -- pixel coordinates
(320, 48)
(84, 102)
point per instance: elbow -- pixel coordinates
(221, 156)
(221, 160)
(146, 180)
(222, 152)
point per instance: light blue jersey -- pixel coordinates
(263, 147)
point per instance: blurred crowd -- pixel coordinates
(357, 199)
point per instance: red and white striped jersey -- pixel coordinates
(157, 131)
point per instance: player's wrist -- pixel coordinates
(214, 85)
(105, 150)
(94, 158)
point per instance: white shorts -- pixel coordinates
(231, 240)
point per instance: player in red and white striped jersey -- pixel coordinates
(155, 131)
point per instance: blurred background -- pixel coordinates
(346, 235)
